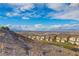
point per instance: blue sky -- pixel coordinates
(40, 17)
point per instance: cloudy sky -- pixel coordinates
(40, 17)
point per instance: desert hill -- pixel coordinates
(14, 44)
(10, 43)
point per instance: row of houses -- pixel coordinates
(73, 39)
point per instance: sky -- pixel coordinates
(40, 16)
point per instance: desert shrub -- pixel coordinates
(4, 27)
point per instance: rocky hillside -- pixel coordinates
(13, 44)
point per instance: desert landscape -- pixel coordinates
(39, 29)
(21, 44)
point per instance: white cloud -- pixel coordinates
(69, 15)
(65, 26)
(18, 27)
(23, 6)
(38, 27)
(74, 5)
(11, 14)
(60, 26)
(21, 27)
(68, 12)
(64, 11)
(24, 18)
(35, 27)
(57, 6)
(19, 7)
(55, 26)
(26, 7)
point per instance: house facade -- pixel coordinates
(72, 39)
